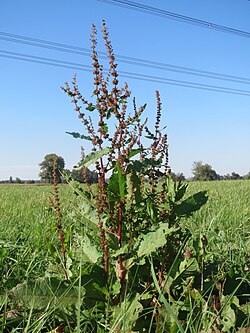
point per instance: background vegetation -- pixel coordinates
(29, 243)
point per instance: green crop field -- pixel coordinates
(26, 216)
(225, 219)
(29, 245)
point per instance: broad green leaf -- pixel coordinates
(89, 250)
(117, 183)
(89, 217)
(170, 188)
(187, 268)
(43, 292)
(126, 315)
(93, 157)
(87, 210)
(228, 315)
(191, 204)
(180, 191)
(116, 287)
(113, 185)
(154, 240)
(122, 250)
(245, 308)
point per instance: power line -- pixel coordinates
(143, 77)
(124, 59)
(177, 17)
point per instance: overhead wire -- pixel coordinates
(177, 17)
(121, 58)
(126, 74)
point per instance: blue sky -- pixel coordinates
(202, 125)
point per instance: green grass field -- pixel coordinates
(225, 219)
(29, 245)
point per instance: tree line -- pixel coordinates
(201, 172)
(205, 172)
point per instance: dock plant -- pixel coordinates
(137, 256)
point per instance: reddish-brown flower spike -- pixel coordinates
(96, 92)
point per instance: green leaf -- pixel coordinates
(191, 204)
(109, 112)
(105, 128)
(93, 157)
(126, 315)
(122, 250)
(116, 287)
(79, 136)
(43, 292)
(180, 191)
(187, 268)
(113, 185)
(89, 217)
(117, 183)
(122, 101)
(88, 249)
(134, 152)
(228, 315)
(90, 108)
(154, 240)
(122, 183)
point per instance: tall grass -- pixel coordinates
(225, 220)
(27, 232)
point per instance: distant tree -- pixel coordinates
(232, 176)
(177, 176)
(47, 165)
(11, 179)
(235, 176)
(80, 176)
(18, 180)
(247, 176)
(203, 172)
(227, 177)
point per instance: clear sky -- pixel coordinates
(202, 125)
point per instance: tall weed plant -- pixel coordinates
(142, 267)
